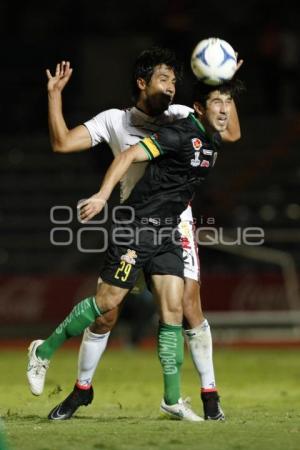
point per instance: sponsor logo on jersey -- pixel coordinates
(129, 257)
(195, 162)
(204, 163)
(185, 230)
(185, 243)
(196, 143)
(207, 152)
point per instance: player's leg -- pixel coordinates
(82, 315)
(197, 329)
(168, 291)
(92, 347)
(119, 274)
(197, 332)
(199, 339)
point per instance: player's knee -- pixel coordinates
(109, 297)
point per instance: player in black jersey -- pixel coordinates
(182, 155)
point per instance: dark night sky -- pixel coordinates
(102, 39)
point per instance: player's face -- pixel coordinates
(217, 111)
(160, 90)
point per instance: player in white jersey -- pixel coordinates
(154, 81)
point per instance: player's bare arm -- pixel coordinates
(94, 205)
(62, 139)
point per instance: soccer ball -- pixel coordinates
(213, 61)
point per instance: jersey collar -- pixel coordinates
(197, 123)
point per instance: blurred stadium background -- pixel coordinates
(250, 293)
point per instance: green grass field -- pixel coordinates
(260, 393)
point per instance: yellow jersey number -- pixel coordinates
(122, 273)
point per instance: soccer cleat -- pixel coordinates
(36, 369)
(180, 411)
(66, 409)
(211, 406)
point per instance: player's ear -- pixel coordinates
(199, 109)
(141, 84)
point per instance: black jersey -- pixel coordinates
(183, 154)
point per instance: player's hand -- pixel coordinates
(90, 207)
(61, 77)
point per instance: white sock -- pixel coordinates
(91, 349)
(200, 344)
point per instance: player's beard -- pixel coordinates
(158, 103)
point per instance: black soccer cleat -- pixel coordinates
(211, 406)
(77, 398)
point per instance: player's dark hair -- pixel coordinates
(148, 60)
(234, 87)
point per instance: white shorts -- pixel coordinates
(186, 229)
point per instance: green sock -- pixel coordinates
(82, 315)
(170, 353)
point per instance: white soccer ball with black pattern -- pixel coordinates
(213, 61)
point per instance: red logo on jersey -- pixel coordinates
(204, 163)
(196, 143)
(185, 243)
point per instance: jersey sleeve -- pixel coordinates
(100, 126)
(166, 140)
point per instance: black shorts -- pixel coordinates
(133, 247)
